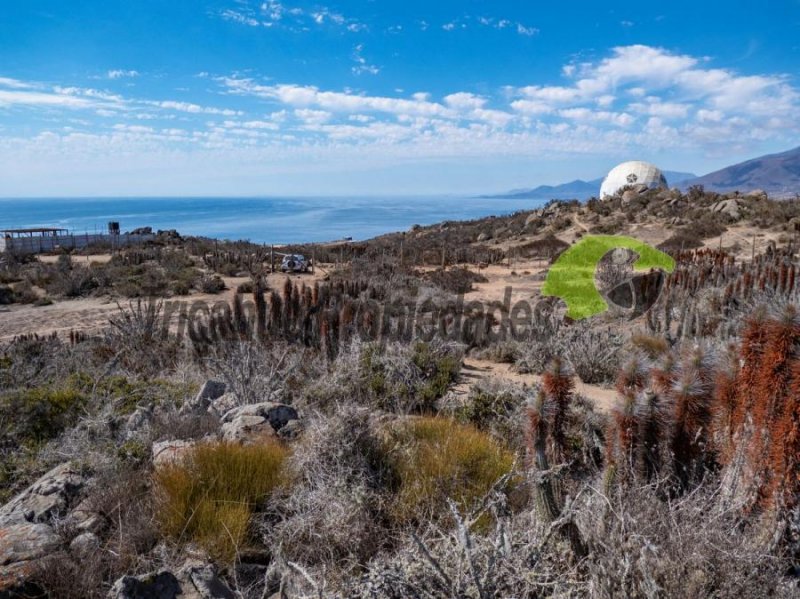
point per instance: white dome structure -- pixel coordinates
(634, 172)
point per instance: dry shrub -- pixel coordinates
(645, 546)
(394, 377)
(139, 338)
(211, 284)
(455, 280)
(334, 513)
(496, 407)
(593, 354)
(436, 459)
(679, 243)
(256, 372)
(210, 497)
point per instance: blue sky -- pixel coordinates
(236, 97)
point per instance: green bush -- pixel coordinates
(210, 497)
(399, 378)
(129, 393)
(32, 416)
(440, 369)
(489, 407)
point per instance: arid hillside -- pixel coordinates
(412, 418)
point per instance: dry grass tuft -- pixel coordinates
(210, 497)
(437, 459)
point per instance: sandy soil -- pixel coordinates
(98, 258)
(524, 279)
(475, 370)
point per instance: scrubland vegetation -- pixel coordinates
(343, 456)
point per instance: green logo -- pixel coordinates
(572, 277)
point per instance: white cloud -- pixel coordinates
(362, 66)
(312, 117)
(272, 13)
(491, 22)
(31, 98)
(535, 107)
(666, 101)
(310, 96)
(121, 74)
(239, 17)
(193, 108)
(14, 83)
(709, 116)
(464, 101)
(666, 110)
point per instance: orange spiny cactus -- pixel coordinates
(557, 385)
(692, 398)
(770, 391)
(784, 454)
(726, 394)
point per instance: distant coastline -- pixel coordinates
(261, 220)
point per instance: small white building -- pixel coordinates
(634, 172)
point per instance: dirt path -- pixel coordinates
(474, 371)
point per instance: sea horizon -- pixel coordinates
(276, 219)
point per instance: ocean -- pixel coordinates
(260, 220)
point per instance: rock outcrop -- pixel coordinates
(49, 496)
(169, 452)
(26, 536)
(193, 581)
(210, 391)
(256, 420)
(729, 207)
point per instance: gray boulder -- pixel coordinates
(138, 422)
(757, 194)
(159, 585)
(85, 544)
(22, 546)
(247, 427)
(210, 391)
(256, 420)
(26, 542)
(729, 207)
(193, 581)
(170, 452)
(222, 404)
(49, 496)
(277, 414)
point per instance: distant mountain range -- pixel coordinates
(777, 174)
(575, 189)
